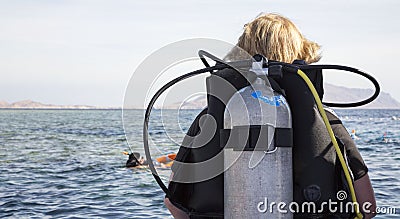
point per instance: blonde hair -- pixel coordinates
(276, 38)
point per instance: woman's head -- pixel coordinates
(276, 38)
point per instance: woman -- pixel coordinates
(277, 38)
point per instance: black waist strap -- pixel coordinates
(283, 137)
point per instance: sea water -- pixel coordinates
(69, 163)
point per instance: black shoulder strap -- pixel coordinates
(315, 76)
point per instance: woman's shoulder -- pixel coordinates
(331, 112)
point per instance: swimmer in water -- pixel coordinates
(385, 138)
(137, 161)
(353, 135)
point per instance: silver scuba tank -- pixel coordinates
(258, 154)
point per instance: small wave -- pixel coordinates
(94, 131)
(10, 204)
(366, 149)
(156, 132)
(121, 139)
(65, 210)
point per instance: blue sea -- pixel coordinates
(69, 163)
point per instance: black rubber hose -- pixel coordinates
(293, 69)
(350, 69)
(150, 107)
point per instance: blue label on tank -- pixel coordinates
(274, 101)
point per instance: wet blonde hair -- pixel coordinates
(276, 38)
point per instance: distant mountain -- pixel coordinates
(197, 102)
(29, 104)
(3, 104)
(333, 93)
(341, 94)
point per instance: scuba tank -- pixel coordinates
(258, 167)
(255, 138)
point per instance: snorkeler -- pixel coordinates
(385, 139)
(353, 135)
(137, 161)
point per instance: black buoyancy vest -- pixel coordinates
(316, 169)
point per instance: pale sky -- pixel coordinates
(84, 52)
